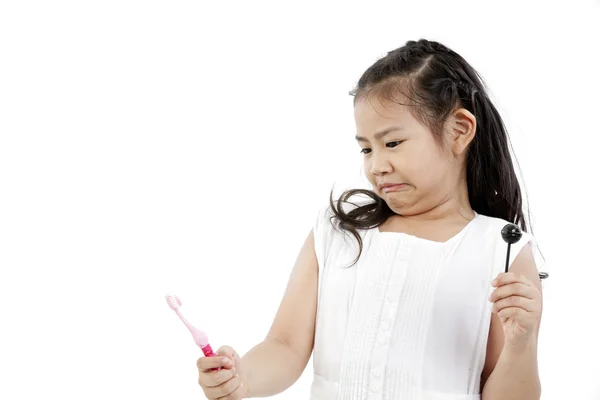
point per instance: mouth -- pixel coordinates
(392, 187)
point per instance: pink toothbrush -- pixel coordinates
(199, 337)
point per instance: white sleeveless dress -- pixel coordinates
(411, 319)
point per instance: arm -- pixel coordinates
(276, 363)
(511, 368)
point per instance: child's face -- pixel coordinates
(427, 172)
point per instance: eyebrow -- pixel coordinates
(381, 134)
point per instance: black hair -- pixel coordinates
(436, 81)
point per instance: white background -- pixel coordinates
(156, 146)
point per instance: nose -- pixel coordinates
(380, 165)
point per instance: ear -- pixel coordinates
(461, 126)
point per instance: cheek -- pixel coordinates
(427, 169)
(419, 162)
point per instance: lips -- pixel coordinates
(387, 185)
(390, 187)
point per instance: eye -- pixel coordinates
(365, 151)
(394, 143)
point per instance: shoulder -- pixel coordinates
(331, 238)
(327, 216)
(522, 255)
(325, 230)
(492, 227)
(325, 220)
(495, 224)
(489, 235)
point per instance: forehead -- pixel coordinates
(373, 115)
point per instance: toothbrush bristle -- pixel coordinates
(173, 301)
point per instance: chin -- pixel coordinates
(398, 206)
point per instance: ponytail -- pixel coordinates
(494, 189)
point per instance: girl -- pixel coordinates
(403, 296)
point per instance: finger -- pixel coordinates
(208, 363)
(508, 278)
(210, 379)
(228, 352)
(513, 289)
(225, 389)
(527, 281)
(514, 301)
(512, 312)
(237, 394)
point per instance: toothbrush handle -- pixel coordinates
(208, 352)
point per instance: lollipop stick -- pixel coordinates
(507, 257)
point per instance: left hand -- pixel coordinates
(518, 303)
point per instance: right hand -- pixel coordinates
(226, 383)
